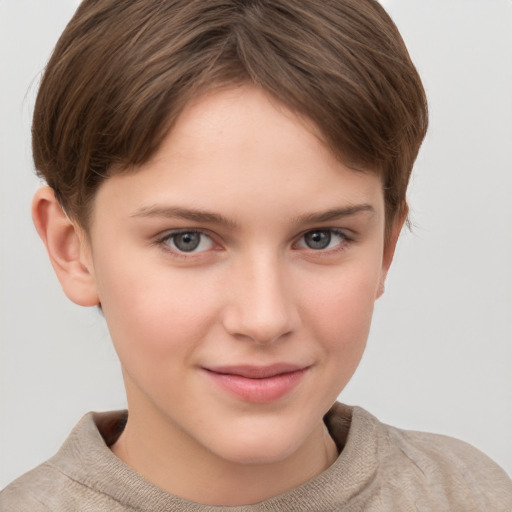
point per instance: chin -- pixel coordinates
(258, 448)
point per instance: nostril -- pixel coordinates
(259, 328)
(261, 305)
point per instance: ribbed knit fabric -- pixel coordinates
(380, 469)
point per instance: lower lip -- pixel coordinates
(258, 390)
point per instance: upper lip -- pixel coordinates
(256, 372)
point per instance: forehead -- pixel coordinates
(238, 149)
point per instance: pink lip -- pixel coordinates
(256, 383)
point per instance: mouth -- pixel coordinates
(257, 384)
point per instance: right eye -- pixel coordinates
(188, 241)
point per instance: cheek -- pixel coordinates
(154, 313)
(341, 310)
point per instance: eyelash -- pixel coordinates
(165, 241)
(342, 245)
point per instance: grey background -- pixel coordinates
(440, 353)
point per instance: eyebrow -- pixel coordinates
(203, 216)
(335, 214)
(194, 215)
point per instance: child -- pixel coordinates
(227, 183)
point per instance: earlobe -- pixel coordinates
(389, 249)
(67, 248)
(382, 287)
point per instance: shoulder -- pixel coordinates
(427, 451)
(66, 482)
(34, 491)
(454, 471)
(46, 488)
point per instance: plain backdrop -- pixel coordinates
(439, 356)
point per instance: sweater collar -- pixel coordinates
(86, 458)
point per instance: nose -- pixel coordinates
(261, 305)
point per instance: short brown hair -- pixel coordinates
(122, 72)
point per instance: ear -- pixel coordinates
(67, 248)
(389, 248)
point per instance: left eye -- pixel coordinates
(321, 239)
(189, 241)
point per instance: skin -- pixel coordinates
(252, 293)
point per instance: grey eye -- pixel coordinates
(318, 239)
(186, 242)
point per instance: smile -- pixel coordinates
(257, 384)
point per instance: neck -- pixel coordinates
(168, 458)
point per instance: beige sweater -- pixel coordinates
(380, 468)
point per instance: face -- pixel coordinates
(237, 271)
